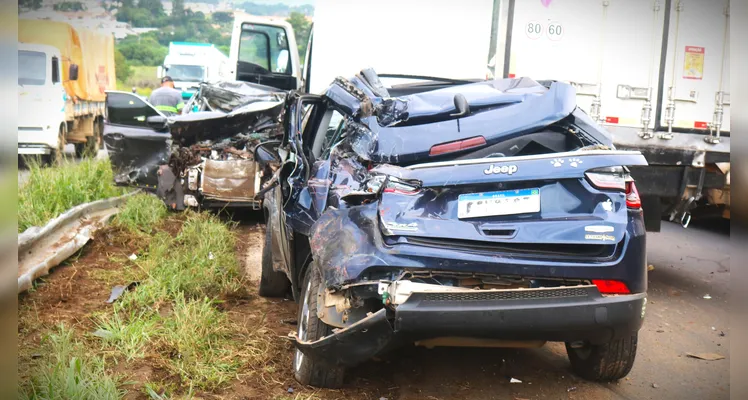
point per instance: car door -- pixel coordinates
(137, 139)
(291, 197)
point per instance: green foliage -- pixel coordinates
(141, 213)
(121, 66)
(65, 371)
(49, 192)
(302, 28)
(222, 17)
(177, 10)
(30, 4)
(144, 49)
(69, 6)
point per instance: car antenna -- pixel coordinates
(462, 106)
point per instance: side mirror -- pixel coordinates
(160, 72)
(73, 72)
(267, 152)
(156, 121)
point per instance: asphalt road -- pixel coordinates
(689, 264)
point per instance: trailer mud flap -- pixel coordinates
(352, 345)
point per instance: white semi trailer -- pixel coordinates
(654, 73)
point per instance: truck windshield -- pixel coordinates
(32, 68)
(186, 73)
(265, 48)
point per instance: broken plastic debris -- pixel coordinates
(119, 290)
(211, 256)
(103, 333)
(714, 329)
(571, 389)
(133, 257)
(290, 390)
(707, 296)
(515, 381)
(706, 356)
(654, 385)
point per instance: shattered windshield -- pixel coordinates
(32, 68)
(186, 73)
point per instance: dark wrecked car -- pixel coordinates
(203, 157)
(445, 213)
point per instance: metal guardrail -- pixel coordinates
(40, 249)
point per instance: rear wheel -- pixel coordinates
(605, 362)
(92, 144)
(56, 155)
(272, 283)
(307, 370)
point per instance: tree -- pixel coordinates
(153, 6)
(301, 27)
(177, 10)
(121, 66)
(222, 17)
(30, 4)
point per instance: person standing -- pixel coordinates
(167, 99)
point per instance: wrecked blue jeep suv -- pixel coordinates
(452, 213)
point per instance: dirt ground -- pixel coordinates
(688, 264)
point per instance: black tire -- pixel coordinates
(272, 283)
(307, 370)
(57, 155)
(606, 362)
(92, 145)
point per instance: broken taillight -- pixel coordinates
(607, 178)
(451, 147)
(607, 286)
(633, 200)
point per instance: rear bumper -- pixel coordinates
(37, 140)
(583, 314)
(33, 149)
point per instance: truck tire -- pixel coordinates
(56, 155)
(272, 283)
(606, 362)
(307, 370)
(92, 145)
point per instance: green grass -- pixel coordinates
(48, 192)
(66, 371)
(172, 317)
(141, 213)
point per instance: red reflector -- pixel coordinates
(632, 196)
(606, 286)
(611, 120)
(700, 125)
(458, 145)
(511, 75)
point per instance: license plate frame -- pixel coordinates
(498, 203)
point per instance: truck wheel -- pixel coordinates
(92, 145)
(272, 283)
(307, 370)
(56, 155)
(606, 362)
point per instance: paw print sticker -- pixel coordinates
(574, 162)
(557, 162)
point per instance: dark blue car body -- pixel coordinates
(372, 215)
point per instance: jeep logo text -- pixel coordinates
(504, 169)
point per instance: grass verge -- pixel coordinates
(174, 318)
(65, 371)
(48, 192)
(141, 213)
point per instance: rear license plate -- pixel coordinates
(506, 202)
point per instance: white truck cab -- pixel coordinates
(41, 99)
(188, 64)
(264, 51)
